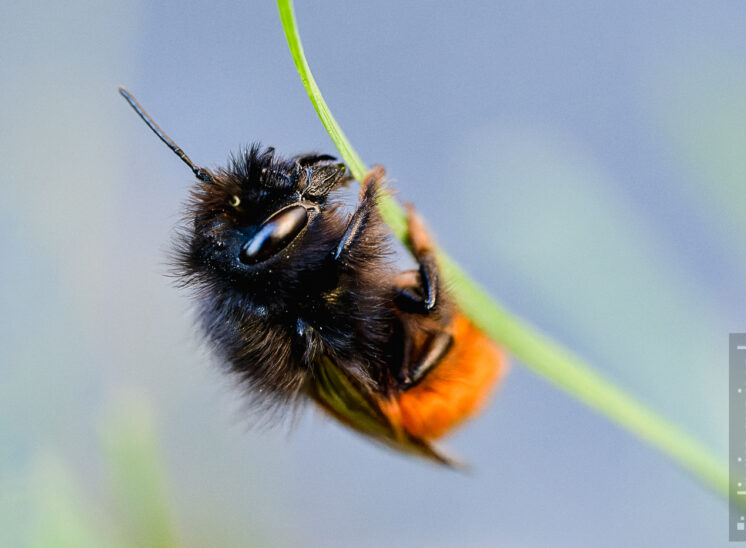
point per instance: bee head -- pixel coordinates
(257, 211)
(261, 221)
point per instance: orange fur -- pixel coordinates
(454, 390)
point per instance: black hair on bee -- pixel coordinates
(301, 299)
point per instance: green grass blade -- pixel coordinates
(543, 356)
(351, 158)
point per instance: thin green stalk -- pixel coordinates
(542, 355)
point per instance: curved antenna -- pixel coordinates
(200, 173)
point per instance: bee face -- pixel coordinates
(256, 214)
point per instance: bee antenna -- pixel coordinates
(200, 173)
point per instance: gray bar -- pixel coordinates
(737, 427)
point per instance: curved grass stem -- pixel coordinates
(540, 354)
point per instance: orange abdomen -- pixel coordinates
(455, 389)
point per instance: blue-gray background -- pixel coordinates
(585, 161)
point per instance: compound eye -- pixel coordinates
(276, 233)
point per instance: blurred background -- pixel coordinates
(585, 161)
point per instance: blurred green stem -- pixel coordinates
(543, 356)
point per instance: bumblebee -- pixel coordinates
(302, 301)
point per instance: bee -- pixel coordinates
(302, 302)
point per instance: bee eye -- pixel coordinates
(276, 232)
(235, 201)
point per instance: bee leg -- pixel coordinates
(361, 216)
(422, 296)
(438, 346)
(418, 290)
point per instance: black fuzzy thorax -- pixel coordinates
(270, 322)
